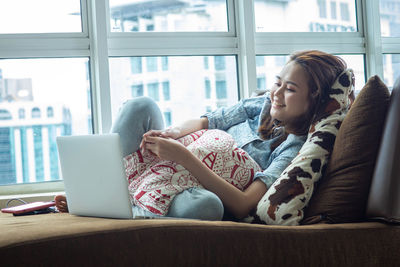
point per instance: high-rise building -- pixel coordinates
(28, 151)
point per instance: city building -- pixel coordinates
(28, 131)
(28, 151)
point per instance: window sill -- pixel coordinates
(30, 192)
(28, 198)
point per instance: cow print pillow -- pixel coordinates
(285, 200)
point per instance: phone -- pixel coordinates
(30, 208)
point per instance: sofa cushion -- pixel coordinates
(341, 195)
(384, 196)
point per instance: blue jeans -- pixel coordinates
(135, 118)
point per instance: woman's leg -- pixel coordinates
(136, 117)
(197, 203)
(193, 203)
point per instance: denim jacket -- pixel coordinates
(242, 121)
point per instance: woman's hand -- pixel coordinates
(165, 148)
(172, 132)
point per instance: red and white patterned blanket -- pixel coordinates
(153, 182)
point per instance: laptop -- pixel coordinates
(94, 176)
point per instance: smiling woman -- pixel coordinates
(295, 102)
(290, 95)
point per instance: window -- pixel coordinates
(390, 32)
(221, 90)
(136, 65)
(36, 113)
(179, 86)
(7, 168)
(190, 56)
(5, 114)
(261, 83)
(205, 63)
(164, 63)
(151, 63)
(21, 113)
(167, 118)
(54, 103)
(390, 18)
(291, 17)
(168, 16)
(137, 90)
(50, 112)
(260, 61)
(322, 8)
(166, 93)
(219, 62)
(25, 16)
(344, 11)
(391, 68)
(153, 91)
(333, 10)
(207, 87)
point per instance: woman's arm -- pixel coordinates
(240, 203)
(190, 126)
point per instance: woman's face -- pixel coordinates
(290, 93)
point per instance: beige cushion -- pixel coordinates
(341, 195)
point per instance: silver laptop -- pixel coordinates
(94, 176)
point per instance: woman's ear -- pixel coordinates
(314, 93)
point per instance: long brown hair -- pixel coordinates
(322, 69)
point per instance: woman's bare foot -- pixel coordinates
(61, 203)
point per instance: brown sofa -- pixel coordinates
(350, 227)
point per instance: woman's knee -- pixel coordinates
(136, 117)
(141, 113)
(140, 105)
(197, 203)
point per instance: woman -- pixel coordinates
(271, 129)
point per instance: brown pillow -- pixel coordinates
(342, 194)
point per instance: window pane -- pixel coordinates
(305, 16)
(40, 16)
(153, 91)
(390, 17)
(356, 62)
(391, 68)
(168, 16)
(39, 100)
(274, 64)
(166, 93)
(183, 91)
(137, 90)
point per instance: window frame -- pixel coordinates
(98, 43)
